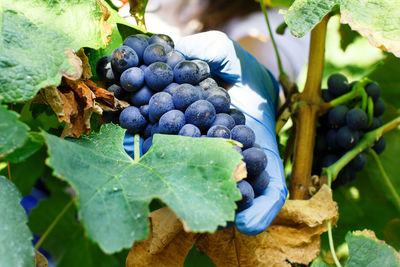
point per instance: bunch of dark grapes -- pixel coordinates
(343, 126)
(171, 95)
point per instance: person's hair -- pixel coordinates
(218, 12)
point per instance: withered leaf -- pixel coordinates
(40, 260)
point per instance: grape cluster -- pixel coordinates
(171, 95)
(343, 126)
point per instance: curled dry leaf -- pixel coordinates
(40, 260)
(86, 70)
(76, 64)
(294, 237)
(106, 29)
(240, 172)
(167, 244)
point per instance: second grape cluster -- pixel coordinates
(171, 95)
(344, 125)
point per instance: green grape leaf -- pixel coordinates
(36, 40)
(13, 133)
(303, 15)
(386, 74)
(367, 252)
(33, 144)
(16, 247)
(375, 20)
(392, 233)
(66, 242)
(192, 176)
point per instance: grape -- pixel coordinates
(203, 67)
(190, 130)
(147, 144)
(219, 131)
(184, 95)
(259, 182)
(132, 120)
(132, 79)
(171, 122)
(247, 195)
(147, 131)
(159, 104)
(356, 119)
(376, 123)
(237, 116)
(162, 39)
(379, 145)
(257, 145)
(154, 53)
(137, 43)
(187, 72)
(155, 129)
(338, 85)
(244, 135)
(117, 90)
(158, 75)
(337, 115)
(237, 148)
(328, 160)
(220, 103)
(173, 58)
(217, 91)
(144, 110)
(379, 107)
(171, 88)
(320, 143)
(104, 70)
(326, 96)
(142, 96)
(358, 163)
(224, 120)
(331, 138)
(255, 159)
(123, 58)
(143, 67)
(346, 138)
(208, 83)
(373, 90)
(201, 113)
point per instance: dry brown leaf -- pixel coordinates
(294, 237)
(40, 260)
(167, 245)
(106, 29)
(76, 64)
(240, 172)
(86, 70)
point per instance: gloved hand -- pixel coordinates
(255, 92)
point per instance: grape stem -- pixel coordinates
(54, 223)
(386, 178)
(331, 246)
(367, 141)
(306, 117)
(9, 171)
(136, 148)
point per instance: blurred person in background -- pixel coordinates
(241, 20)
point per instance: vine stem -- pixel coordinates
(9, 171)
(278, 58)
(306, 117)
(137, 10)
(386, 178)
(331, 246)
(54, 223)
(136, 148)
(367, 141)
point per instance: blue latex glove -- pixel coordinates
(255, 92)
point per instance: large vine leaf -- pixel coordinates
(15, 237)
(376, 20)
(35, 39)
(192, 176)
(66, 243)
(366, 250)
(13, 133)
